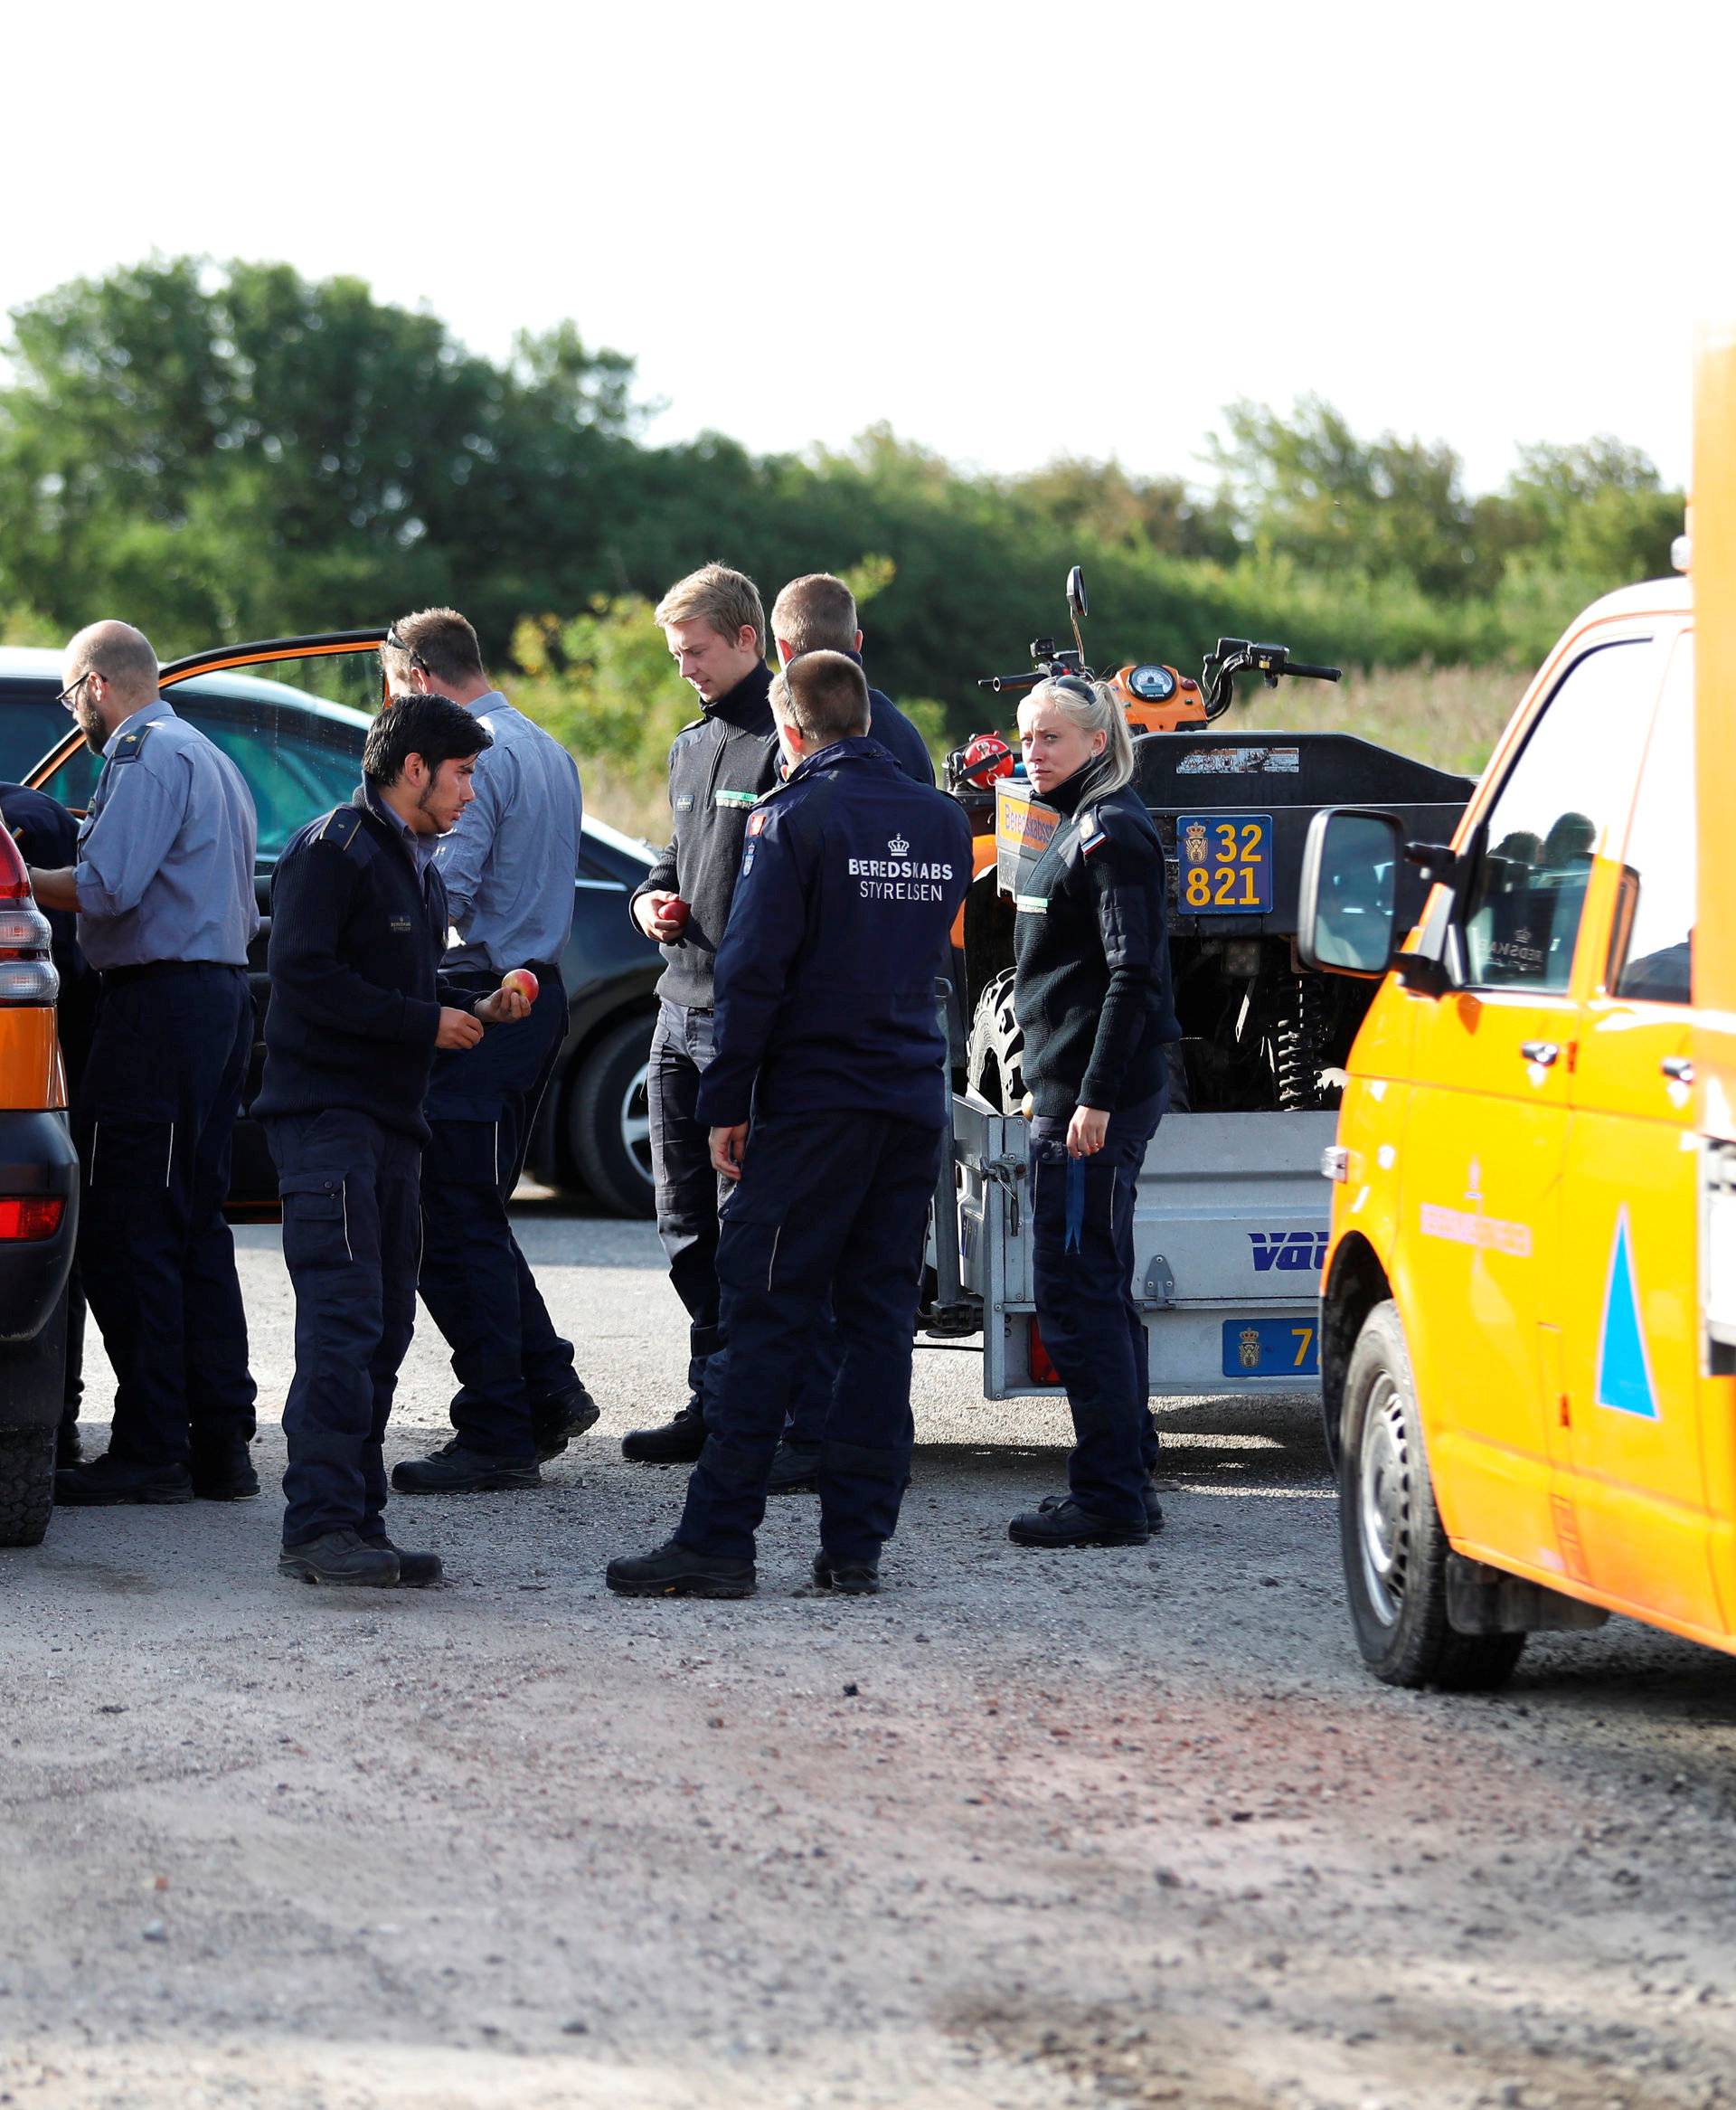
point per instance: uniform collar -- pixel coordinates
(144, 716)
(746, 705)
(864, 748)
(1084, 785)
(420, 848)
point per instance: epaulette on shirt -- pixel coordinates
(1092, 834)
(343, 829)
(131, 745)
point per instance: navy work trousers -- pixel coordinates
(153, 1119)
(831, 1208)
(482, 1102)
(690, 1195)
(1082, 1247)
(350, 1230)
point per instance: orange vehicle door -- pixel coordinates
(1630, 1313)
(1485, 1142)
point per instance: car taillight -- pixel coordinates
(30, 1216)
(27, 974)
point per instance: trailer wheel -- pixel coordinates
(1390, 1536)
(994, 1056)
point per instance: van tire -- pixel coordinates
(26, 1485)
(1392, 1542)
(994, 1055)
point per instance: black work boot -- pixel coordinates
(416, 1571)
(454, 1470)
(1059, 1521)
(223, 1471)
(562, 1415)
(849, 1578)
(340, 1556)
(107, 1481)
(795, 1470)
(1148, 1492)
(677, 1442)
(676, 1571)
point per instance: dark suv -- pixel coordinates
(296, 738)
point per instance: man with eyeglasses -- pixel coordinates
(163, 884)
(508, 866)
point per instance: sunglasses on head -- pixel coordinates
(393, 642)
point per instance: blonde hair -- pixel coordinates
(725, 599)
(1092, 707)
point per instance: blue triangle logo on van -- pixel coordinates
(1624, 1375)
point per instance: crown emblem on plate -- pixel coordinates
(898, 847)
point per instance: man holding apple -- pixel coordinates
(358, 1009)
(508, 866)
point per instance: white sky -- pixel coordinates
(1008, 230)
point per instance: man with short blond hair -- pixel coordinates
(718, 767)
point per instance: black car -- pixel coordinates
(296, 738)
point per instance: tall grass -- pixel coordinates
(1449, 716)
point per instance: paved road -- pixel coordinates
(1027, 1830)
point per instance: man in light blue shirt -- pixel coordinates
(164, 894)
(508, 866)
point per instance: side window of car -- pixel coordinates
(291, 777)
(76, 780)
(1654, 950)
(1553, 813)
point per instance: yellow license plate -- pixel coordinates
(1226, 863)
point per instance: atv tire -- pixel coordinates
(994, 1055)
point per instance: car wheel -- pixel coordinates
(1390, 1536)
(26, 1485)
(608, 1121)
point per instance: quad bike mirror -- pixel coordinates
(1078, 606)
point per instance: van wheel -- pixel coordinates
(26, 1485)
(1391, 1536)
(608, 1121)
(994, 1057)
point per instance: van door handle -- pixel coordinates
(1678, 1069)
(1544, 1051)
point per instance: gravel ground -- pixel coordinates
(1026, 1830)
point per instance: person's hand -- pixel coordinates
(458, 1028)
(1087, 1131)
(651, 913)
(504, 1007)
(730, 1150)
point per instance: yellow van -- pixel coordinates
(1528, 1318)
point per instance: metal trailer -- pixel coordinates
(1229, 1225)
(1231, 1215)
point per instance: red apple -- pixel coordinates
(676, 913)
(522, 982)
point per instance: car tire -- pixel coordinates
(26, 1485)
(608, 1121)
(994, 1055)
(1394, 1544)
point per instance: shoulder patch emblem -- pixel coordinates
(755, 822)
(1092, 834)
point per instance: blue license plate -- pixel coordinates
(1272, 1348)
(1226, 863)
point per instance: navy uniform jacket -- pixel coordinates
(1091, 983)
(358, 926)
(850, 875)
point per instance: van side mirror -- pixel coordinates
(1347, 917)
